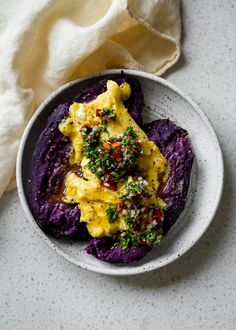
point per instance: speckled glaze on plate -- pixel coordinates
(162, 100)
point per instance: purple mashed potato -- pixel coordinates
(50, 163)
(104, 249)
(174, 144)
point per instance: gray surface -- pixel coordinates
(39, 290)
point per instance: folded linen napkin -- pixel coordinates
(45, 43)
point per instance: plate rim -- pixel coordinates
(122, 271)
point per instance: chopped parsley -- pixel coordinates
(112, 214)
(136, 188)
(128, 238)
(106, 115)
(114, 159)
(150, 237)
(144, 224)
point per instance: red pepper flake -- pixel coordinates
(106, 146)
(115, 144)
(113, 187)
(116, 156)
(151, 219)
(109, 183)
(159, 214)
(98, 112)
(119, 209)
(120, 206)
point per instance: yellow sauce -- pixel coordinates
(92, 198)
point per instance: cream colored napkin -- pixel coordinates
(45, 43)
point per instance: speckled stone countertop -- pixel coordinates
(39, 290)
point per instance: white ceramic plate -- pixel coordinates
(163, 100)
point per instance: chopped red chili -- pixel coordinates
(98, 112)
(117, 156)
